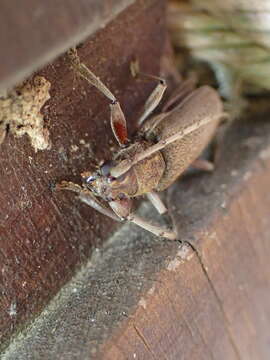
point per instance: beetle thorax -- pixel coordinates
(147, 172)
(139, 179)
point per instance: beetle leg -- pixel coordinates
(155, 97)
(177, 98)
(122, 208)
(118, 124)
(156, 201)
(153, 101)
(87, 74)
(118, 121)
(69, 185)
(203, 164)
(179, 94)
(154, 229)
(88, 198)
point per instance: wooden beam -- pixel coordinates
(208, 298)
(34, 32)
(45, 235)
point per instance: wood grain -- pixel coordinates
(46, 235)
(208, 298)
(213, 300)
(136, 297)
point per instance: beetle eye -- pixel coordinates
(89, 179)
(106, 168)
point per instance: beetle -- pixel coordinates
(165, 145)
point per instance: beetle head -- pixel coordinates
(104, 185)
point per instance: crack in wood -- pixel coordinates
(219, 302)
(142, 338)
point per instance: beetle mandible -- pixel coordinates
(164, 146)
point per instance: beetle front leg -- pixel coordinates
(88, 198)
(118, 120)
(88, 75)
(121, 209)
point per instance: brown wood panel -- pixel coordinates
(237, 237)
(241, 276)
(137, 297)
(213, 302)
(142, 298)
(33, 32)
(44, 235)
(179, 318)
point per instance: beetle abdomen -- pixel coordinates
(200, 104)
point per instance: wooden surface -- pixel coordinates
(45, 235)
(209, 298)
(212, 300)
(34, 32)
(136, 297)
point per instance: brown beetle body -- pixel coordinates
(148, 173)
(179, 155)
(158, 172)
(166, 145)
